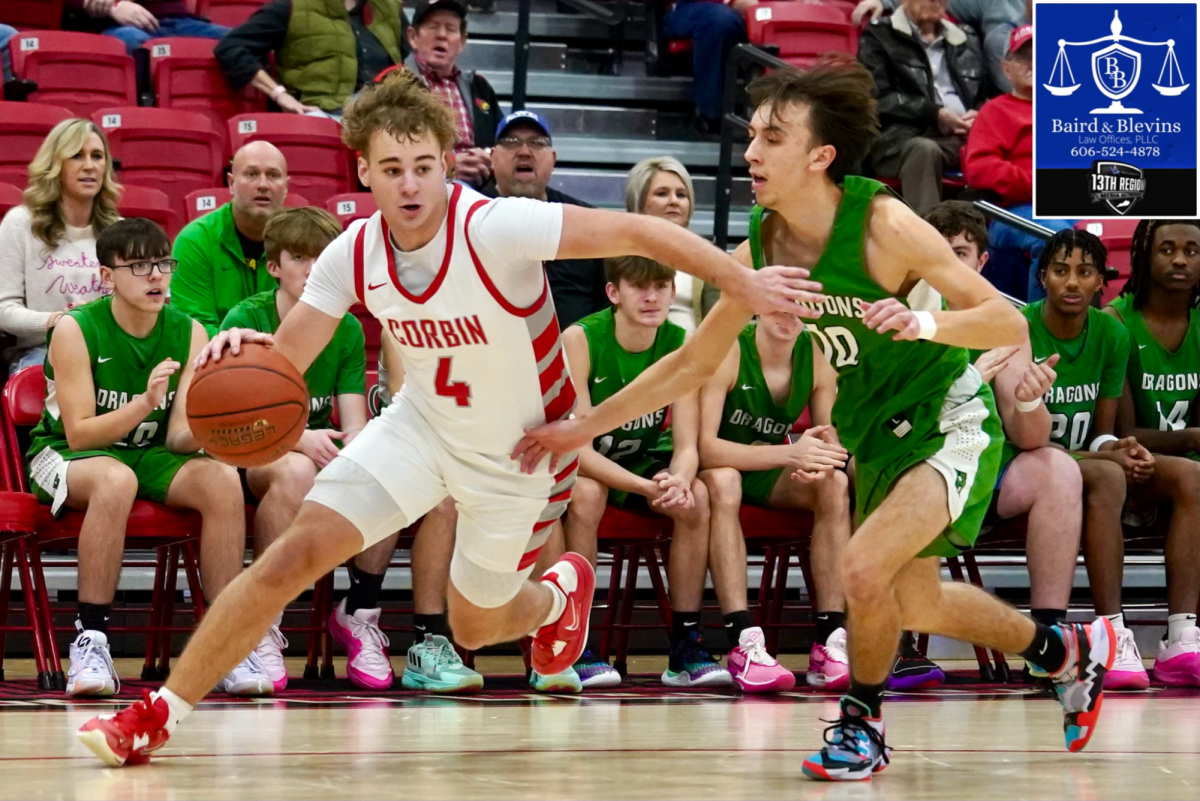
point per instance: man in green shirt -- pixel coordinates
(220, 255)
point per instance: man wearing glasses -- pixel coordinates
(523, 161)
(114, 429)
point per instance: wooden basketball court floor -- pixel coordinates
(950, 744)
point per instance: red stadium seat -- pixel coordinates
(175, 152)
(82, 71)
(1117, 236)
(319, 165)
(202, 201)
(801, 31)
(228, 12)
(372, 332)
(23, 128)
(138, 201)
(351, 206)
(10, 196)
(26, 14)
(187, 77)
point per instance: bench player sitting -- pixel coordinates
(115, 429)
(774, 371)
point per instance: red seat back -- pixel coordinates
(1117, 236)
(23, 128)
(82, 71)
(228, 12)
(10, 196)
(187, 77)
(202, 201)
(175, 152)
(372, 333)
(802, 31)
(24, 14)
(351, 206)
(141, 201)
(319, 165)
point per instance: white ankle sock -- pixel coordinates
(180, 708)
(558, 603)
(1118, 620)
(1176, 624)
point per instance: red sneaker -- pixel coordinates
(557, 645)
(128, 737)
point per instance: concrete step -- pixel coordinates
(566, 119)
(607, 187)
(574, 150)
(633, 88)
(497, 56)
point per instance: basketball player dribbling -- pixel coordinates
(457, 281)
(920, 422)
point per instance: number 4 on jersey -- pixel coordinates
(1178, 418)
(459, 390)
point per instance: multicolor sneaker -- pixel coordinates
(595, 673)
(756, 671)
(1178, 663)
(558, 645)
(248, 678)
(434, 666)
(828, 664)
(1128, 672)
(270, 654)
(367, 662)
(854, 748)
(564, 682)
(691, 665)
(1079, 684)
(92, 671)
(913, 670)
(129, 736)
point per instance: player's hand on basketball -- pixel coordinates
(779, 289)
(319, 445)
(675, 492)
(813, 455)
(231, 340)
(991, 363)
(159, 381)
(1037, 380)
(890, 314)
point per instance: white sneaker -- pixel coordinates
(1127, 671)
(248, 677)
(92, 671)
(270, 654)
(367, 662)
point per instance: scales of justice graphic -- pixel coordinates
(1116, 70)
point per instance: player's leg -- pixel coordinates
(589, 498)
(1177, 481)
(1103, 538)
(354, 621)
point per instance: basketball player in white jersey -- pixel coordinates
(457, 281)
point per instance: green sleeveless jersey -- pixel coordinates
(121, 366)
(340, 369)
(612, 367)
(1091, 366)
(751, 415)
(889, 393)
(1164, 385)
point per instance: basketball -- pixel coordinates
(249, 409)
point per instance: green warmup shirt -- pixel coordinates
(121, 366)
(898, 403)
(340, 369)
(752, 417)
(1164, 385)
(1091, 366)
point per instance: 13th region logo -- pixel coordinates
(1119, 185)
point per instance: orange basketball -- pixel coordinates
(250, 409)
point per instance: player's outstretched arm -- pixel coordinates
(179, 433)
(1023, 382)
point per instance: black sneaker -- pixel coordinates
(691, 665)
(913, 671)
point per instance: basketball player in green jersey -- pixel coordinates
(747, 410)
(115, 429)
(921, 425)
(639, 466)
(1159, 406)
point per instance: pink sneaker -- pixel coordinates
(1127, 672)
(828, 664)
(367, 661)
(756, 671)
(1178, 663)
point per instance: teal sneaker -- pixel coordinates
(565, 682)
(434, 666)
(595, 673)
(691, 665)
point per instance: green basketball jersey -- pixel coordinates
(340, 369)
(1164, 385)
(751, 416)
(1091, 366)
(889, 393)
(612, 368)
(121, 366)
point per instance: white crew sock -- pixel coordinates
(179, 708)
(1177, 624)
(558, 603)
(1118, 620)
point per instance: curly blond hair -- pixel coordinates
(400, 105)
(44, 191)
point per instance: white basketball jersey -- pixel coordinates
(477, 368)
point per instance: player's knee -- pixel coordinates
(445, 512)
(1184, 484)
(1104, 484)
(118, 486)
(219, 490)
(862, 579)
(833, 493)
(588, 500)
(1058, 476)
(724, 485)
(701, 501)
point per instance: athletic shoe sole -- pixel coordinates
(604, 681)
(717, 678)
(1126, 680)
(815, 770)
(419, 681)
(341, 635)
(92, 690)
(557, 686)
(780, 684)
(97, 742)
(1176, 677)
(912, 683)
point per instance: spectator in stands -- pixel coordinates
(137, 23)
(1160, 406)
(715, 28)
(221, 255)
(324, 52)
(929, 78)
(48, 243)
(119, 422)
(523, 160)
(999, 154)
(438, 36)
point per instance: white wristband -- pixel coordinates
(927, 323)
(278, 92)
(1100, 440)
(1027, 406)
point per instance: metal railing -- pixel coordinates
(610, 13)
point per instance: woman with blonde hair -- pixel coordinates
(662, 187)
(48, 243)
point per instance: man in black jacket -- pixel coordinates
(929, 78)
